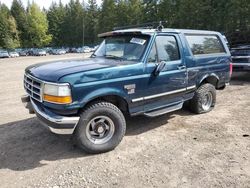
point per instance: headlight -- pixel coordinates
(57, 93)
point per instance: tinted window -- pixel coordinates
(205, 44)
(167, 48)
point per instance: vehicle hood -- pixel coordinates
(53, 71)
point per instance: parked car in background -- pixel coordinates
(4, 54)
(13, 54)
(86, 49)
(72, 50)
(47, 49)
(67, 50)
(58, 51)
(241, 58)
(79, 50)
(40, 52)
(23, 52)
(92, 49)
(31, 51)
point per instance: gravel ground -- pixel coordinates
(175, 150)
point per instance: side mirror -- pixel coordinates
(159, 68)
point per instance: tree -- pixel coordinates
(8, 31)
(37, 27)
(135, 13)
(78, 23)
(19, 13)
(56, 16)
(107, 16)
(91, 22)
(150, 10)
(72, 26)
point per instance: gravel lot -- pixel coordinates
(175, 150)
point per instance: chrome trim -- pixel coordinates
(32, 85)
(42, 86)
(138, 99)
(239, 57)
(32, 90)
(242, 64)
(58, 120)
(163, 94)
(60, 131)
(191, 87)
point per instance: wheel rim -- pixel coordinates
(207, 101)
(100, 129)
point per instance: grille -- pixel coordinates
(33, 87)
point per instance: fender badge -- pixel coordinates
(130, 88)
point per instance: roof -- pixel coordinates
(152, 31)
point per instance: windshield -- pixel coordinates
(124, 47)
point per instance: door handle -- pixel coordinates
(180, 67)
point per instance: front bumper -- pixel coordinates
(56, 123)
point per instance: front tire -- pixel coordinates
(101, 128)
(204, 99)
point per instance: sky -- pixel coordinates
(41, 3)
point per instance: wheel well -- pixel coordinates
(212, 80)
(118, 101)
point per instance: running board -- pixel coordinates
(164, 110)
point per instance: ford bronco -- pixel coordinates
(133, 72)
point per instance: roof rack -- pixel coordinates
(149, 25)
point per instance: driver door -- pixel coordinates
(169, 86)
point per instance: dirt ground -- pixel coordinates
(175, 150)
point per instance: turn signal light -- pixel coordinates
(57, 99)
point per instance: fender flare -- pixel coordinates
(102, 92)
(213, 75)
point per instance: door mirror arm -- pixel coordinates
(159, 68)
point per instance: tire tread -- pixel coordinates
(84, 116)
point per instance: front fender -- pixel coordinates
(101, 92)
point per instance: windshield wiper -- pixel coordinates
(113, 57)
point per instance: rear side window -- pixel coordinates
(205, 44)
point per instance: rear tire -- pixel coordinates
(101, 128)
(204, 99)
